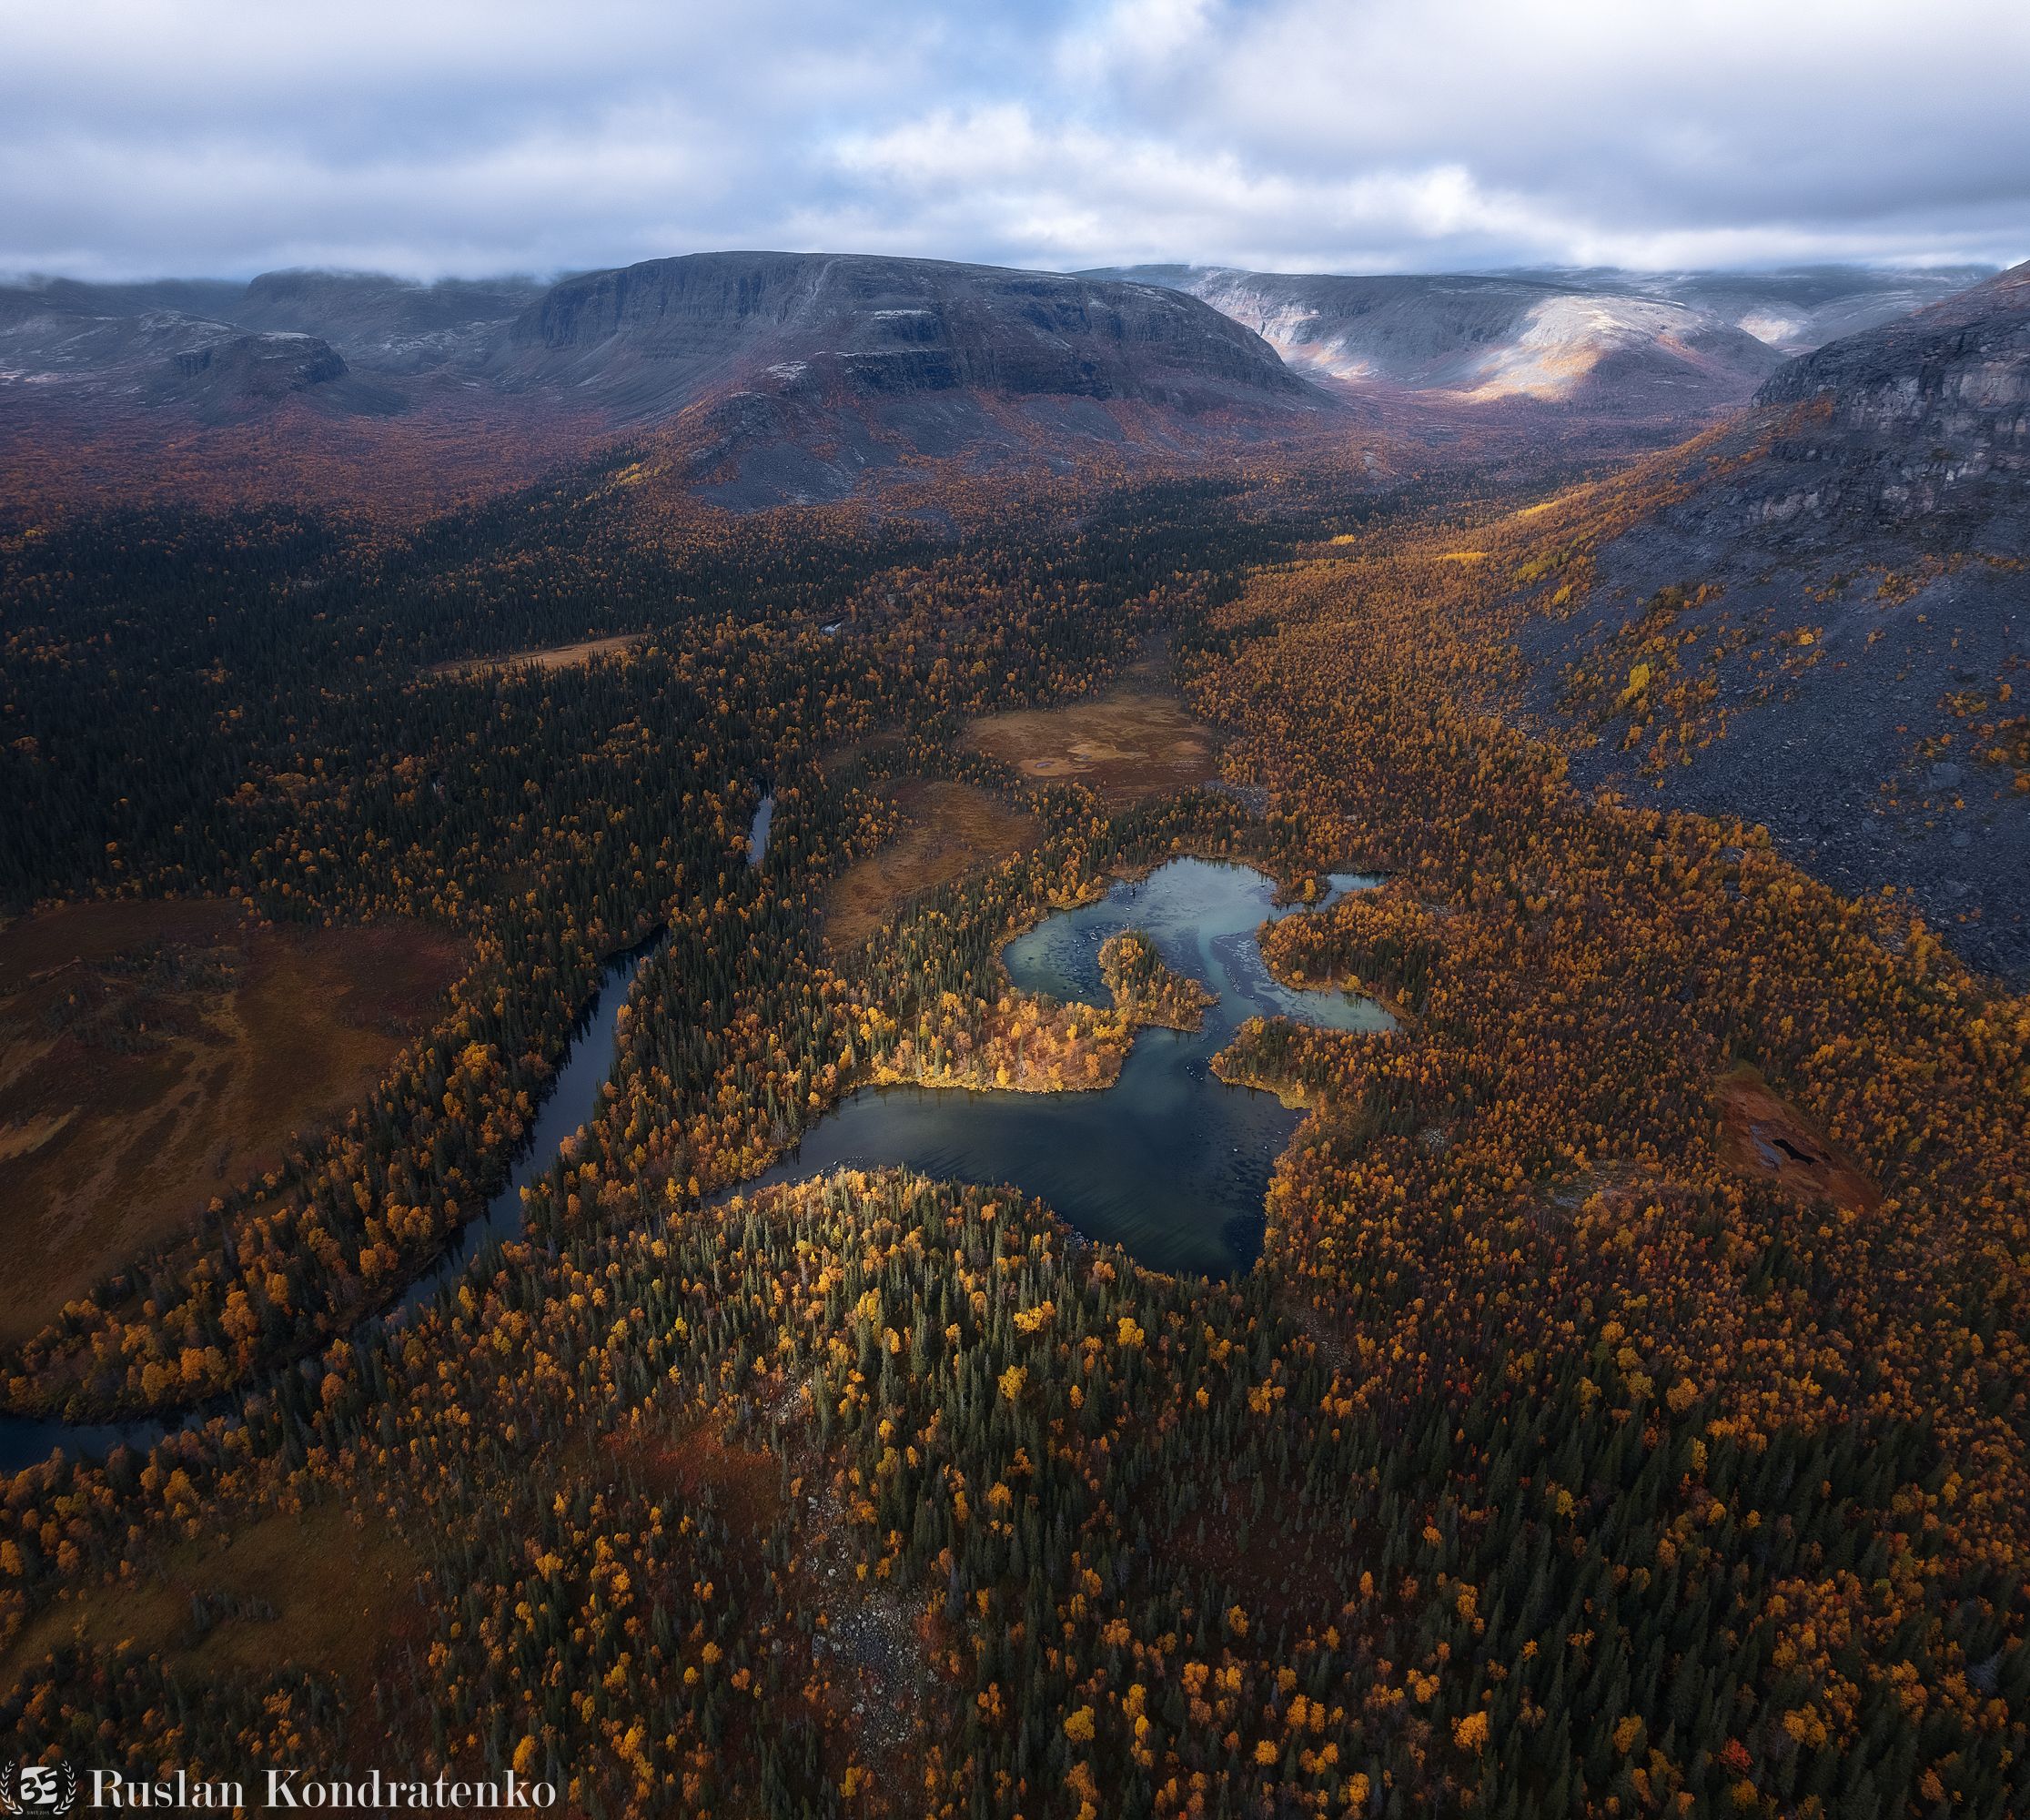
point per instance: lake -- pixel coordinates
(1170, 1161)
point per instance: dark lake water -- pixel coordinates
(1169, 1161)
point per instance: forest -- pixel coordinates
(1575, 1447)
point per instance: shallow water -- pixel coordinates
(1169, 1161)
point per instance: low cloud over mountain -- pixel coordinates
(1674, 347)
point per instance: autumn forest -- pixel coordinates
(1623, 1412)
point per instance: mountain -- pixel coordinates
(1795, 308)
(1926, 416)
(62, 340)
(795, 377)
(207, 299)
(1833, 599)
(779, 376)
(765, 377)
(1668, 350)
(656, 335)
(231, 371)
(1479, 340)
(228, 349)
(390, 325)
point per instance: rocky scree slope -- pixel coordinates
(1829, 631)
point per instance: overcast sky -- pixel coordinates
(142, 137)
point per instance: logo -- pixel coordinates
(38, 1788)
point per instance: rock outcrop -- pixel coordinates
(1924, 416)
(243, 368)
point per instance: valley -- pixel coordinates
(906, 1120)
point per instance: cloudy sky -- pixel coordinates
(144, 137)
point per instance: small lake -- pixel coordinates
(1169, 1161)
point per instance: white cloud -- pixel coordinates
(1076, 195)
(448, 134)
(1132, 39)
(1829, 123)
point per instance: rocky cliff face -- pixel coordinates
(1925, 415)
(246, 369)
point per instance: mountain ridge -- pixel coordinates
(883, 325)
(1675, 349)
(794, 376)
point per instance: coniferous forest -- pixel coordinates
(1626, 1413)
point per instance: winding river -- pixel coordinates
(570, 1102)
(572, 1099)
(1169, 1161)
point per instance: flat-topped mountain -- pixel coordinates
(796, 375)
(781, 376)
(649, 338)
(652, 335)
